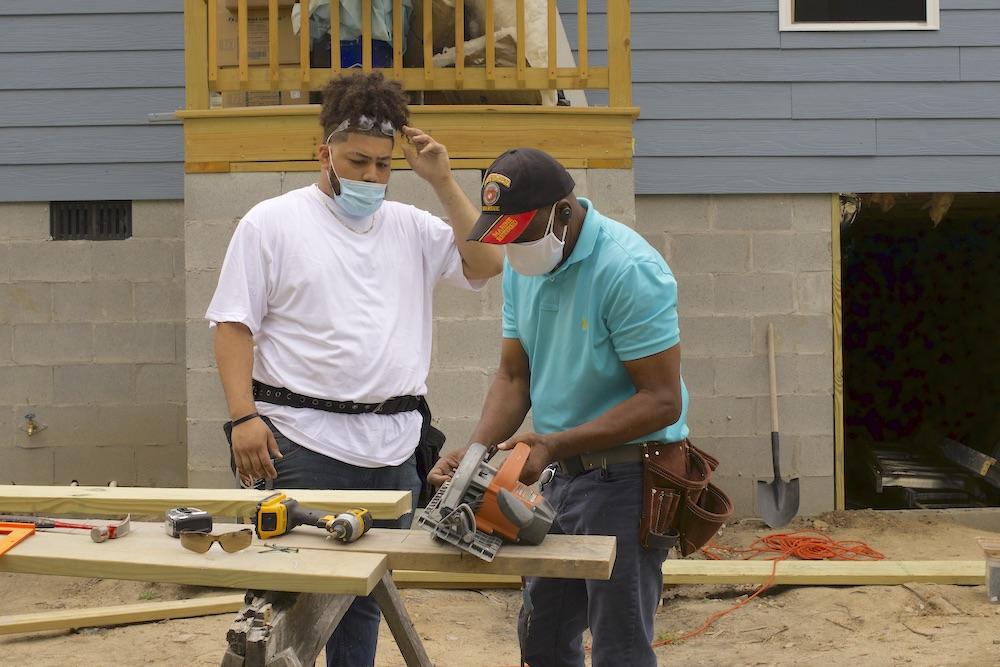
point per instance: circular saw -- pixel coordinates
(482, 505)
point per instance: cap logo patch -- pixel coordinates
(491, 194)
(497, 178)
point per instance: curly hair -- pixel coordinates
(350, 97)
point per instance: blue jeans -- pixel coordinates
(619, 612)
(356, 636)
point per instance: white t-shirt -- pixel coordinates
(339, 314)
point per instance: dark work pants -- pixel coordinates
(353, 642)
(619, 612)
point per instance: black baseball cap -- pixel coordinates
(516, 185)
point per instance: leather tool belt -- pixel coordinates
(680, 507)
(281, 396)
(577, 465)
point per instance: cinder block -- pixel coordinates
(797, 415)
(28, 466)
(163, 219)
(65, 426)
(213, 196)
(92, 384)
(206, 242)
(754, 294)
(406, 187)
(709, 253)
(139, 260)
(137, 342)
(814, 292)
(6, 343)
(696, 294)
(467, 343)
(455, 302)
(581, 187)
(205, 397)
(206, 444)
(179, 268)
(457, 431)
(98, 301)
(26, 302)
(717, 415)
(612, 191)
(813, 455)
(23, 221)
(671, 213)
(153, 424)
(794, 334)
(814, 374)
(8, 428)
(749, 376)
(199, 288)
(493, 297)
(29, 385)
(51, 261)
(698, 374)
(211, 479)
(798, 251)
(750, 212)
(53, 343)
(161, 465)
(742, 491)
(4, 262)
(816, 495)
(200, 350)
(714, 336)
(456, 394)
(746, 457)
(161, 383)
(160, 302)
(180, 353)
(293, 180)
(95, 466)
(812, 212)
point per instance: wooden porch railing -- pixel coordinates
(204, 75)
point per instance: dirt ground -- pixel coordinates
(915, 625)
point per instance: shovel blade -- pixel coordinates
(778, 501)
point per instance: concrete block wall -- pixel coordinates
(742, 262)
(466, 325)
(91, 342)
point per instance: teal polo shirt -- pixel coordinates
(613, 300)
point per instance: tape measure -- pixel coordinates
(187, 518)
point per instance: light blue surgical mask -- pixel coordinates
(359, 199)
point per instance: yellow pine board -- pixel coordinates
(564, 556)
(149, 554)
(98, 500)
(825, 573)
(69, 619)
(453, 580)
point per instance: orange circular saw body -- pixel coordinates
(489, 517)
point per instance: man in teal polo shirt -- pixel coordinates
(591, 346)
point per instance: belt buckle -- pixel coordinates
(378, 408)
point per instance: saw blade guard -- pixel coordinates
(511, 509)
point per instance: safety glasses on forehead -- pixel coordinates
(365, 124)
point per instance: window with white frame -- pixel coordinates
(859, 14)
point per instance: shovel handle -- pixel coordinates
(774, 384)
(775, 456)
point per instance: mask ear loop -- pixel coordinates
(333, 186)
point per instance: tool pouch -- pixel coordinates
(680, 506)
(427, 453)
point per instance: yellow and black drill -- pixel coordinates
(277, 514)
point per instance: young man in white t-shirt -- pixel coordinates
(322, 316)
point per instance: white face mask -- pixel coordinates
(533, 258)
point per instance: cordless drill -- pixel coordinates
(277, 514)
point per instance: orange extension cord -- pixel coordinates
(802, 544)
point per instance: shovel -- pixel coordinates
(778, 501)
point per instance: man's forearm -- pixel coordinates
(507, 404)
(479, 260)
(234, 357)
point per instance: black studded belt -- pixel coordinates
(281, 396)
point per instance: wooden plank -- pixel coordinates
(272, 43)
(98, 32)
(149, 554)
(98, 500)
(397, 41)
(620, 54)
(491, 55)
(72, 619)
(195, 55)
(366, 35)
(243, 42)
(566, 556)
(757, 137)
(459, 44)
(790, 175)
(394, 611)
(520, 37)
(825, 573)
(304, 41)
(958, 28)
(453, 580)
(280, 136)
(896, 100)
(93, 145)
(41, 108)
(112, 69)
(582, 38)
(398, 163)
(551, 17)
(982, 64)
(852, 65)
(939, 137)
(839, 489)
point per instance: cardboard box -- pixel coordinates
(257, 34)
